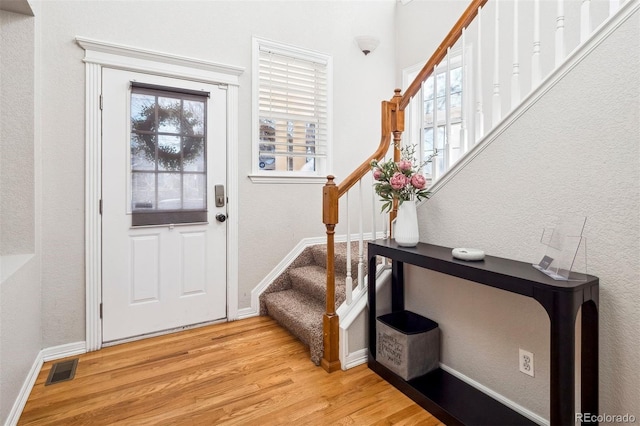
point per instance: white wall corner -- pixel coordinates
(45, 355)
(25, 391)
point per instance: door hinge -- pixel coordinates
(100, 102)
(100, 206)
(101, 311)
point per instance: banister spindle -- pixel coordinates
(560, 54)
(464, 144)
(349, 278)
(535, 59)
(496, 112)
(374, 213)
(446, 159)
(614, 5)
(436, 140)
(361, 239)
(479, 124)
(515, 74)
(585, 20)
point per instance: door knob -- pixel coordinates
(221, 217)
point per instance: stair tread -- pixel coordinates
(296, 306)
(312, 280)
(297, 300)
(301, 315)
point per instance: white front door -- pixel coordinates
(163, 177)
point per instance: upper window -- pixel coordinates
(438, 115)
(292, 88)
(442, 106)
(168, 155)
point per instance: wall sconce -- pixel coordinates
(367, 43)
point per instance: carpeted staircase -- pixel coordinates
(296, 299)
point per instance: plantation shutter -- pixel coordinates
(292, 98)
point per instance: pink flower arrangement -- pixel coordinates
(402, 180)
(399, 181)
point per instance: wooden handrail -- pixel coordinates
(392, 124)
(456, 32)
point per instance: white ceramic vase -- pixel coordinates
(405, 230)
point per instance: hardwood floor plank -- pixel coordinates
(248, 372)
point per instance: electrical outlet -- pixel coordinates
(526, 362)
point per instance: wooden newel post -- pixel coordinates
(397, 127)
(330, 322)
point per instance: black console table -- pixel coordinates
(455, 402)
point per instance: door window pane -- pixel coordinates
(193, 154)
(168, 156)
(193, 190)
(144, 191)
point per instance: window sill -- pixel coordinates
(287, 179)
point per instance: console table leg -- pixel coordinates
(371, 299)
(589, 360)
(397, 286)
(563, 363)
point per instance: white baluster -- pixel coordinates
(374, 211)
(614, 5)
(361, 242)
(434, 169)
(479, 124)
(385, 226)
(348, 279)
(515, 74)
(560, 33)
(464, 144)
(585, 20)
(535, 60)
(496, 113)
(447, 114)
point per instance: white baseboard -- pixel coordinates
(45, 355)
(498, 397)
(349, 313)
(246, 313)
(63, 351)
(355, 359)
(25, 391)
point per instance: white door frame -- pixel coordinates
(100, 54)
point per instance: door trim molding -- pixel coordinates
(99, 55)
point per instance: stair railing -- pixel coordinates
(393, 124)
(392, 127)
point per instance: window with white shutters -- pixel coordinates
(292, 100)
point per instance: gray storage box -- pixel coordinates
(407, 344)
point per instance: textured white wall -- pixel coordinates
(16, 133)
(20, 296)
(574, 152)
(273, 218)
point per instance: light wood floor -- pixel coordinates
(248, 372)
